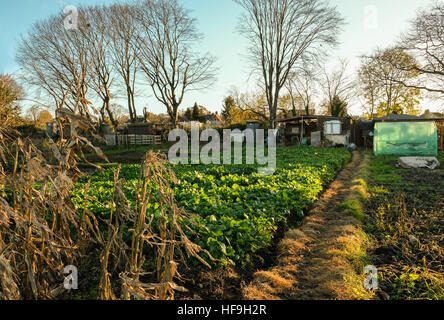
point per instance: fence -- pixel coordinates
(132, 139)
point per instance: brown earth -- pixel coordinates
(407, 229)
(315, 261)
(125, 157)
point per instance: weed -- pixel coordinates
(405, 222)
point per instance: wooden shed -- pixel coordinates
(316, 128)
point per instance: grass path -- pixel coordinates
(324, 258)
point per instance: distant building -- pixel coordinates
(207, 121)
(213, 121)
(188, 125)
(432, 115)
(212, 117)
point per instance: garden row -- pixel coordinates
(236, 210)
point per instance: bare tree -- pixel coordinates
(337, 84)
(34, 112)
(119, 112)
(38, 55)
(165, 47)
(57, 61)
(425, 42)
(102, 71)
(282, 33)
(252, 104)
(301, 87)
(123, 30)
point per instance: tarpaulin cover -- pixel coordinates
(406, 138)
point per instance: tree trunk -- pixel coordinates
(133, 104)
(173, 113)
(102, 114)
(130, 109)
(110, 114)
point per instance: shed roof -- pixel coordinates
(406, 118)
(398, 117)
(314, 117)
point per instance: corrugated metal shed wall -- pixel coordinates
(406, 138)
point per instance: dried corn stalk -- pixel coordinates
(168, 237)
(37, 251)
(40, 229)
(164, 235)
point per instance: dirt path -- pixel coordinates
(316, 260)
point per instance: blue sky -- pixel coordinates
(217, 20)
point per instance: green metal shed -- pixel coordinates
(409, 138)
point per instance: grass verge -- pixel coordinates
(355, 246)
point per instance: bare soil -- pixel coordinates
(126, 157)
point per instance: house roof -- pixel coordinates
(212, 117)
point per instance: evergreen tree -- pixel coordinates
(338, 107)
(196, 113)
(189, 114)
(227, 108)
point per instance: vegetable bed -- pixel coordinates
(237, 211)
